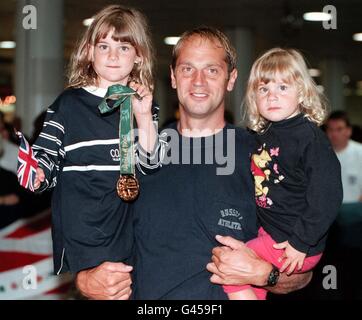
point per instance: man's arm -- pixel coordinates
(287, 284)
(236, 264)
(108, 281)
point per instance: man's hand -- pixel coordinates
(236, 264)
(293, 257)
(108, 281)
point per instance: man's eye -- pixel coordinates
(212, 70)
(186, 69)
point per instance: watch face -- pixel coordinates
(273, 277)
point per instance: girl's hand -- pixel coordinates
(142, 104)
(39, 178)
(293, 257)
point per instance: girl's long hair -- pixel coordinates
(291, 67)
(128, 25)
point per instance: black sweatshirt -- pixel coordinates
(78, 149)
(297, 183)
(183, 206)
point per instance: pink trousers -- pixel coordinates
(263, 247)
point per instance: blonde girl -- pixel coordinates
(297, 179)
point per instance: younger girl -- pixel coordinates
(297, 179)
(78, 149)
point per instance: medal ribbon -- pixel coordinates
(120, 96)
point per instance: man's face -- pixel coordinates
(2, 127)
(201, 78)
(338, 133)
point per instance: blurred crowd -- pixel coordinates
(15, 201)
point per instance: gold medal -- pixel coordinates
(128, 188)
(127, 185)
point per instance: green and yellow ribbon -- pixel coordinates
(119, 96)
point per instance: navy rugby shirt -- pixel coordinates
(78, 151)
(183, 206)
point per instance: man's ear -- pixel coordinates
(232, 79)
(173, 78)
(349, 132)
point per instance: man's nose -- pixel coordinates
(199, 78)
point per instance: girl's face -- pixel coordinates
(113, 61)
(277, 100)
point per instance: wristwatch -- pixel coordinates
(273, 276)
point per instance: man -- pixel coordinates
(349, 154)
(187, 203)
(8, 150)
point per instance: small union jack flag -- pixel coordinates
(27, 164)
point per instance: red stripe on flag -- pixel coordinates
(29, 163)
(31, 229)
(13, 260)
(28, 158)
